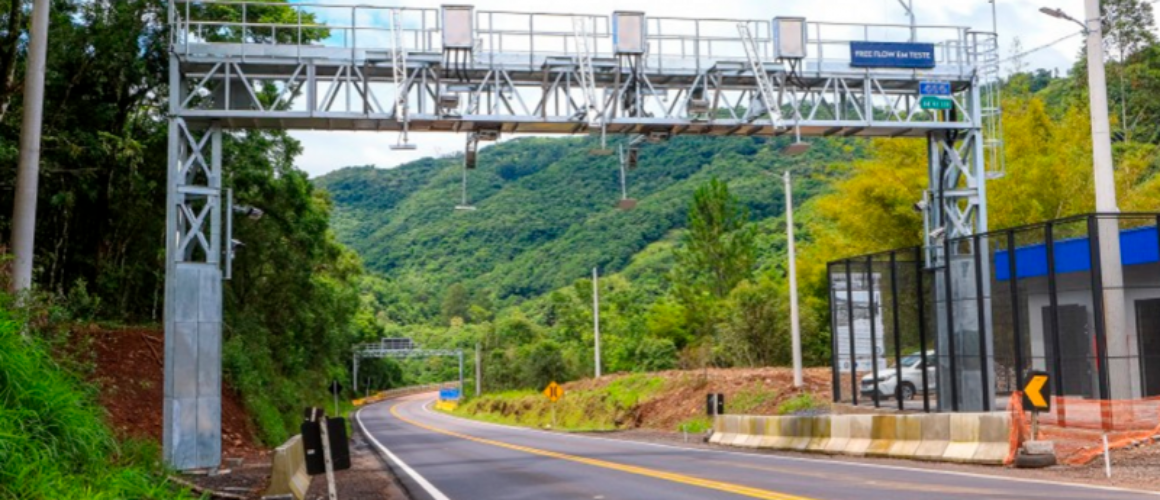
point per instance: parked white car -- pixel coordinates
(888, 382)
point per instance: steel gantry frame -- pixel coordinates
(400, 348)
(486, 73)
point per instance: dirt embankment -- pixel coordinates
(129, 369)
(662, 400)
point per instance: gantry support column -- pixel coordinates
(191, 433)
(964, 347)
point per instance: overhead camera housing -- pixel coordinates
(658, 136)
(938, 233)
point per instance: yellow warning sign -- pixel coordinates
(554, 392)
(1036, 393)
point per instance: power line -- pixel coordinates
(1044, 46)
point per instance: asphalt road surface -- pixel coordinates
(440, 457)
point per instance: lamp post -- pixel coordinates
(795, 320)
(1111, 269)
(28, 173)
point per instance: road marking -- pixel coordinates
(819, 461)
(631, 469)
(422, 481)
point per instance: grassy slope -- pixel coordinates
(54, 442)
(671, 400)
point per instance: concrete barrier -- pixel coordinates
(754, 429)
(994, 439)
(839, 434)
(936, 436)
(907, 436)
(861, 434)
(964, 437)
(819, 434)
(803, 431)
(288, 475)
(981, 438)
(883, 435)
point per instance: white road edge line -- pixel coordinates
(422, 481)
(426, 408)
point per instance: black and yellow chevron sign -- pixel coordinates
(554, 392)
(1037, 392)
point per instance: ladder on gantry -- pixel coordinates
(764, 84)
(581, 37)
(399, 73)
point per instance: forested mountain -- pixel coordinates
(547, 209)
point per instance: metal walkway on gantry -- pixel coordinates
(489, 73)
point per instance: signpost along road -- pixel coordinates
(1037, 392)
(554, 392)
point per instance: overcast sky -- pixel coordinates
(327, 151)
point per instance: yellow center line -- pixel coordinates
(631, 469)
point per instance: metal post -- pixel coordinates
(850, 323)
(919, 259)
(596, 316)
(1098, 309)
(478, 370)
(1013, 271)
(873, 331)
(980, 306)
(354, 363)
(795, 321)
(1053, 303)
(835, 372)
(28, 172)
(950, 313)
(461, 373)
(332, 494)
(897, 329)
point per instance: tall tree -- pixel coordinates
(718, 249)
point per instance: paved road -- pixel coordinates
(441, 457)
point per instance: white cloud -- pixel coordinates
(326, 151)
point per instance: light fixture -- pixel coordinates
(797, 148)
(658, 136)
(489, 135)
(938, 233)
(920, 206)
(253, 213)
(1060, 14)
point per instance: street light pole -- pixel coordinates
(596, 315)
(28, 173)
(795, 321)
(1117, 344)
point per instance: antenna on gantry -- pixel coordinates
(468, 164)
(399, 72)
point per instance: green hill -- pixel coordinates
(547, 209)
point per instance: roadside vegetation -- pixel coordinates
(54, 441)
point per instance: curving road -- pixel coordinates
(440, 457)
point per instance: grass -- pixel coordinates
(54, 443)
(751, 398)
(609, 408)
(802, 402)
(695, 425)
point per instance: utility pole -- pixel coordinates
(28, 172)
(478, 370)
(795, 320)
(596, 315)
(1111, 269)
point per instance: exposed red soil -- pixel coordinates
(683, 396)
(129, 368)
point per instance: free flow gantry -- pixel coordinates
(456, 69)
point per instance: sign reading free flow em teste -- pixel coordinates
(892, 55)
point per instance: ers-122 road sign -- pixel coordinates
(554, 392)
(1037, 392)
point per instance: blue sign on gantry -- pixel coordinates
(892, 55)
(934, 88)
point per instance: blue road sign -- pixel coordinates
(934, 88)
(449, 394)
(892, 55)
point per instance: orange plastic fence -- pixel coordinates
(1077, 426)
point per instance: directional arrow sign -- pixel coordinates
(1037, 392)
(554, 392)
